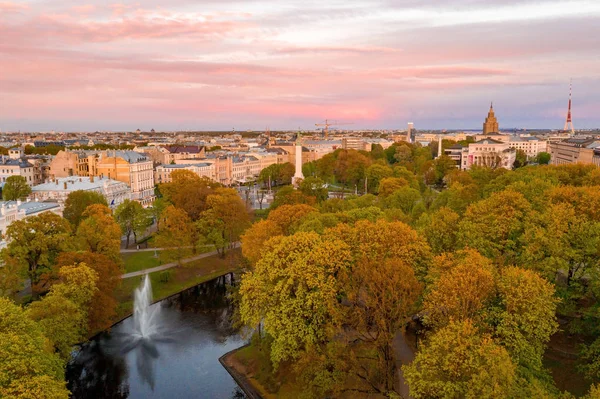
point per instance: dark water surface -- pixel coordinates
(181, 363)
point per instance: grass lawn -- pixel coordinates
(135, 261)
(188, 275)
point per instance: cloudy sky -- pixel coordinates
(249, 64)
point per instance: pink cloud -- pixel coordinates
(7, 7)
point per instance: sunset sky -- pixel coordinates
(249, 64)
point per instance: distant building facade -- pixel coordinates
(490, 153)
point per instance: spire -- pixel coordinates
(569, 121)
(491, 105)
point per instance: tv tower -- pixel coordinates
(569, 121)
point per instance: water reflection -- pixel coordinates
(180, 363)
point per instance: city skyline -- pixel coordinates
(216, 65)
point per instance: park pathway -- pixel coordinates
(170, 265)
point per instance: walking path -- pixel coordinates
(404, 355)
(127, 251)
(170, 265)
(167, 265)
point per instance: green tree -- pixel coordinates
(158, 206)
(27, 359)
(543, 158)
(15, 188)
(528, 316)
(34, 244)
(287, 195)
(439, 228)
(77, 202)
(128, 215)
(314, 187)
(494, 226)
(460, 362)
(520, 159)
(62, 314)
(293, 292)
(375, 174)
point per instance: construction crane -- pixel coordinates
(330, 123)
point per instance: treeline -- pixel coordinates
(480, 262)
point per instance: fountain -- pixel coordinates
(145, 316)
(167, 349)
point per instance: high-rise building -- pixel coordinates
(409, 132)
(491, 123)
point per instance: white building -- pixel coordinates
(489, 152)
(11, 211)
(114, 191)
(202, 169)
(532, 146)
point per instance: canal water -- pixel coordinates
(180, 363)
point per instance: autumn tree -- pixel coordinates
(34, 244)
(293, 292)
(460, 362)
(495, 225)
(99, 233)
(15, 188)
(350, 167)
(256, 236)
(384, 240)
(224, 221)
(77, 202)
(28, 361)
(188, 191)
(439, 228)
(388, 185)
(381, 297)
(176, 235)
(103, 306)
(287, 216)
(461, 289)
